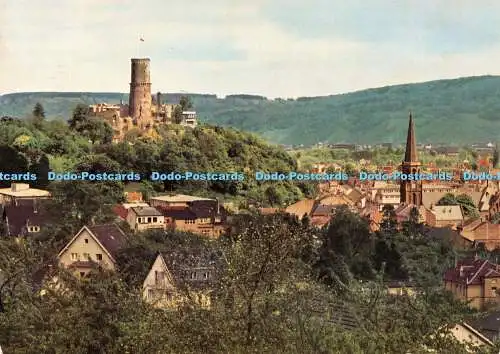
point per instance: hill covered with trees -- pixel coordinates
(38, 145)
(444, 110)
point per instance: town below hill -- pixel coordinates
(443, 111)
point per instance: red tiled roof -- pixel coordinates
(120, 211)
(472, 271)
(320, 221)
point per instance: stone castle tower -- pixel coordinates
(140, 93)
(411, 191)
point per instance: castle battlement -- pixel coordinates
(141, 114)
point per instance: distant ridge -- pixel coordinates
(451, 111)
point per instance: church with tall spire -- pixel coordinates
(411, 191)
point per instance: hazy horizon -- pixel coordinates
(220, 96)
(271, 48)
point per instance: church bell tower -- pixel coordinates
(411, 190)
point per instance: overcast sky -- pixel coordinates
(277, 48)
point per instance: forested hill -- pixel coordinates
(448, 111)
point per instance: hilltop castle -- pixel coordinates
(143, 113)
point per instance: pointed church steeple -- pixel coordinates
(411, 189)
(411, 143)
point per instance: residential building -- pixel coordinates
(93, 247)
(489, 325)
(201, 222)
(159, 286)
(445, 215)
(178, 279)
(175, 201)
(21, 191)
(122, 210)
(142, 218)
(192, 214)
(189, 119)
(387, 197)
(400, 288)
(475, 281)
(483, 232)
(469, 335)
(302, 208)
(26, 217)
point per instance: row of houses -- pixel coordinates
(171, 279)
(24, 211)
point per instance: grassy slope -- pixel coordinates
(449, 111)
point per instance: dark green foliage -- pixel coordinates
(346, 247)
(38, 111)
(266, 301)
(66, 147)
(465, 201)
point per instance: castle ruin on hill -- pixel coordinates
(143, 113)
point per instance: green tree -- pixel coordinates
(259, 256)
(348, 241)
(495, 157)
(97, 131)
(38, 111)
(38, 115)
(177, 114)
(185, 103)
(79, 117)
(447, 199)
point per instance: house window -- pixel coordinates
(205, 275)
(74, 256)
(86, 240)
(494, 291)
(159, 278)
(87, 256)
(155, 219)
(82, 274)
(151, 293)
(149, 220)
(139, 220)
(99, 256)
(193, 275)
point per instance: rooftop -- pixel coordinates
(110, 236)
(146, 211)
(23, 190)
(471, 271)
(178, 198)
(447, 212)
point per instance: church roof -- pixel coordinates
(411, 143)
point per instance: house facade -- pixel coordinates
(475, 281)
(168, 286)
(21, 191)
(92, 247)
(141, 218)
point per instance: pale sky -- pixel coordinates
(276, 48)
